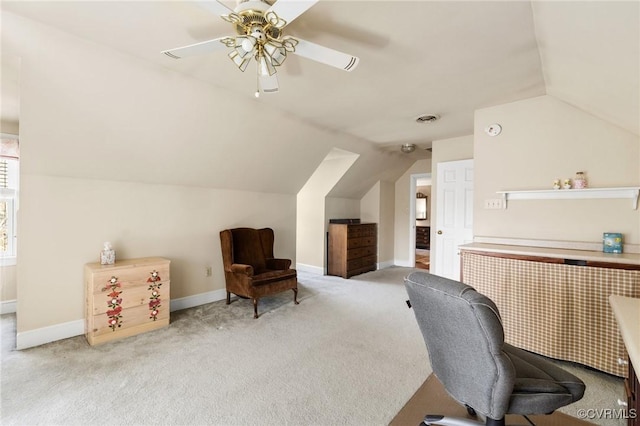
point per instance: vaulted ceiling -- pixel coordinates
(446, 58)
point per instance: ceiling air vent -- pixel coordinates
(427, 118)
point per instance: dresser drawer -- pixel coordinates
(367, 230)
(129, 296)
(361, 242)
(129, 318)
(128, 277)
(361, 262)
(360, 252)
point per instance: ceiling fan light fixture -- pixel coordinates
(241, 62)
(277, 54)
(259, 26)
(408, 148)
(265, 67)
(245, 45)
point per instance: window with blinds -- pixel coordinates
(4, 174)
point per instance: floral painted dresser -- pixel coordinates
(126, 298)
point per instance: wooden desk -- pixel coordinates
(627, 313)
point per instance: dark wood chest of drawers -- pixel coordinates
(353, 249)
(423, 237)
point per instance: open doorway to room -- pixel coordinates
(420, 218)
(9, 176)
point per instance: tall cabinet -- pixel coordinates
(352, 249)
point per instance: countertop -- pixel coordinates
(627, 313)
(588, 255)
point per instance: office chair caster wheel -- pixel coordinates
(471, 411)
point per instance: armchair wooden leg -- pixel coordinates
(295, 296)
(255, 308)
(228, 298)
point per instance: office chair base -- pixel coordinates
(434, 419)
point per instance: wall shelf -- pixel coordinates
(631, 193)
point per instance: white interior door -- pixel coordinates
(454, 215)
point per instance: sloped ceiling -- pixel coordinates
(590, 55)
(438, 57)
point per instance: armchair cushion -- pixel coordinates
(247, 249)
(278, 264)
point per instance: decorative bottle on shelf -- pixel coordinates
(580, 181)
(107, 255)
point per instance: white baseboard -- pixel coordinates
(198, 299)
(317, 270)
(40, 336)
(404, 263)
(386, 264)
(8, 307)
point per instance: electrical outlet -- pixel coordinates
(209, 271)
(493, 204)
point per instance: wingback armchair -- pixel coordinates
(250, 269)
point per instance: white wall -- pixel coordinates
(115, 148)
(377, 207)
(10, 127)
(543, 139)
(312, 209)
(64, 222)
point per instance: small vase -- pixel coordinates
(580, 181)
(107, 255)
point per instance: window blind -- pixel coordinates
(4, 174)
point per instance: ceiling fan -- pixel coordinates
(259, 27)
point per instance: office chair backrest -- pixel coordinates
(464, 337)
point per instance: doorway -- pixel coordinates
(454, 216)
(420, 221)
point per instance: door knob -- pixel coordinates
(439, 232)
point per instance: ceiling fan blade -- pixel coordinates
(289, 10)
(326, 55)
(208, 46)
(215, 7)
(269, 83)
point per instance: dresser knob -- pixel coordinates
(439, 232)
(622, 403)
(622, 361)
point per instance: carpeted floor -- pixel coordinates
(349, 353)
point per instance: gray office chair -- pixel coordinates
(465, 340)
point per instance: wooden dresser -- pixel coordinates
(127, 298)
(353, 249)
(423, 237)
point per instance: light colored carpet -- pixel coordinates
(350, 353)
